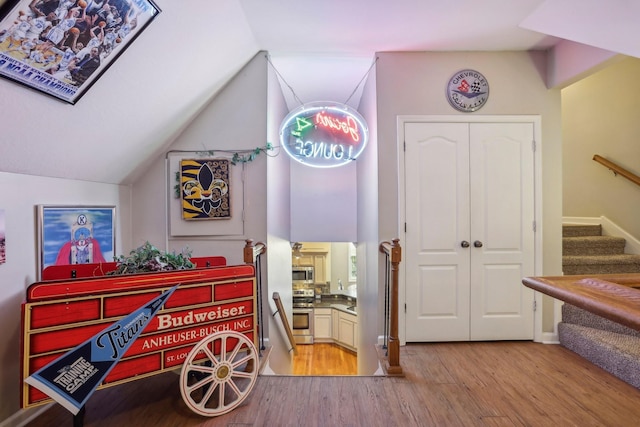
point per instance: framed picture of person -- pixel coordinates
(75, 235)
(61, 47)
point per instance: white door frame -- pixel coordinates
(537, 170)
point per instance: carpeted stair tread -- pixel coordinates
(578, 316)
(619, 354)
(601, 264)
(569, 230)
(593, 245)
(607, 344)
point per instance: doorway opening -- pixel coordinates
(325, 318)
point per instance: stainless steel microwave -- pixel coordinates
(302, 274)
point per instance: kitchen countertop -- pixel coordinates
(341, 301)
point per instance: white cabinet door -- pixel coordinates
(347, 330)
(470, 237)
(335, 324)
(322, 324)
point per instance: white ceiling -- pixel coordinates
(332, 43)
(322, 49)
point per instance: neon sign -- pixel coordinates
(324, 134)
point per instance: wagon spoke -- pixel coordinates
(225, 380)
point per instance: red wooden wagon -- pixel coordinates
(208, 327)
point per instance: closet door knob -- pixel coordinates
(477, 244)
(464, 244)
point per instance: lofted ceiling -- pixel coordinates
(188, 53)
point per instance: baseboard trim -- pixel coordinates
(550, 338)
(24, 416)
(609, 228)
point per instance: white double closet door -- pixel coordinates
(470, 239)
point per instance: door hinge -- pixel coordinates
(534, 226)
(405, 307)
(535, 305)
(404, 145)
(405, 227)
(533, 145)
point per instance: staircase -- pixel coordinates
(609, 345)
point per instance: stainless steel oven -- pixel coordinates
(302, 324)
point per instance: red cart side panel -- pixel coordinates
(41, 291)
(65, 312)
(61, 315)
(66, 272)
(76, 271)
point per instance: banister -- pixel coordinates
(393, 252)
(251, 254)
(617, 169)
(285, 322)
(252, 251)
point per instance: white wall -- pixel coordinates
(570, 61)
(414, 84)
(600, 116)
(369, 303)
(339, 266)
(278, 226)
(323, 203)
(234, 120)
(20, 194)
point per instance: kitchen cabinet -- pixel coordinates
(320, 268)
(348, 330)
(319, 263)
(335, 324)
(322, 325)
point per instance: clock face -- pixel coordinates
(467, 91)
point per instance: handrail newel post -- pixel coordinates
(394, 254)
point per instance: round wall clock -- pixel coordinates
(467, 91)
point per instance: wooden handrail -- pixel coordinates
(251, 254)
(617, 169)
(394, 254)
(251, 251)
(612, 296)
(285, 322)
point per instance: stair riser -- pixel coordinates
(577, 316)
(623, 364)
(599, 269)
(592, 250)
(581, 230)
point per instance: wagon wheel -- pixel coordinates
(219, 373)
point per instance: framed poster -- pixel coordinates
(75, 235)
(178, 183)
(61, 47)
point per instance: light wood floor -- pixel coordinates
(324, 359)
(446, 384)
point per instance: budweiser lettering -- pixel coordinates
(173, 321)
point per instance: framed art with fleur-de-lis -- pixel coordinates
(205, 189)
